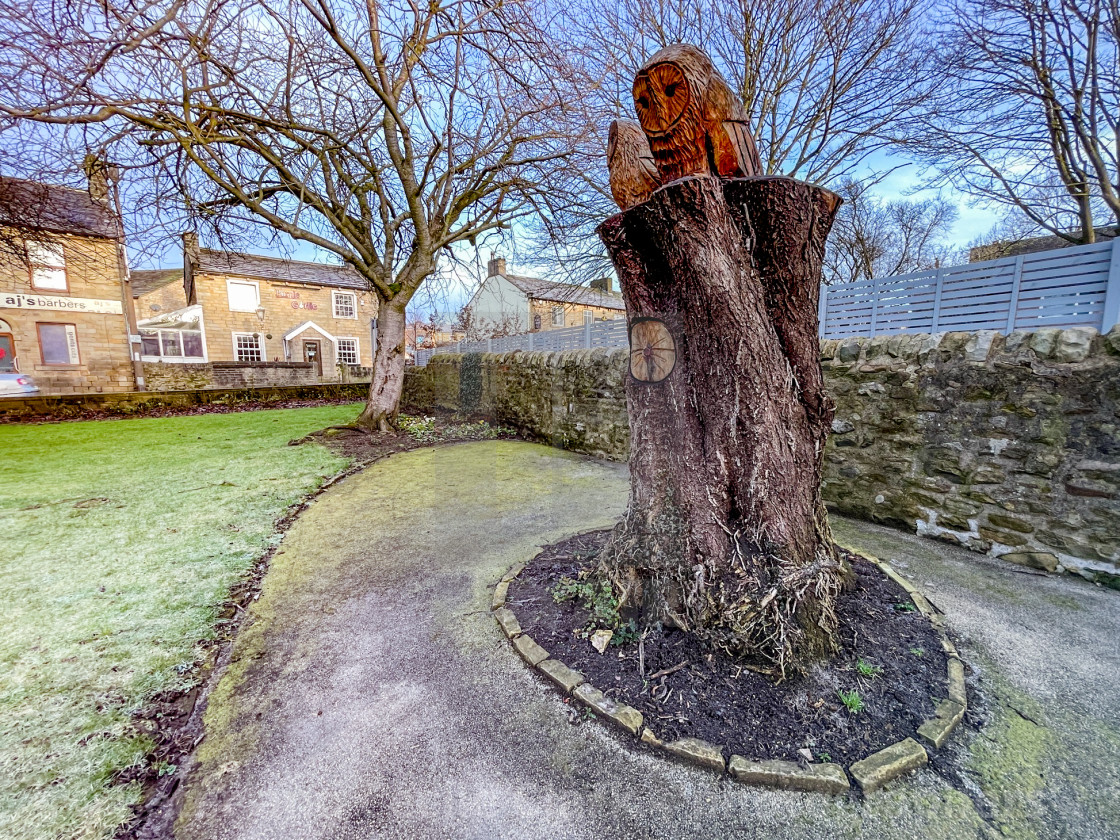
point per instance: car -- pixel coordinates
(17, 385)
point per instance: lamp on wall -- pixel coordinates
(260, 314)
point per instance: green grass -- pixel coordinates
(118, 539)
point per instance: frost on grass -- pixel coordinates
(121, 537)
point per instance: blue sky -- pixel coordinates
(903, 183)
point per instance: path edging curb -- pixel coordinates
(870, 773)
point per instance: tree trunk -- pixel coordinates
(725, 533)
(387, 378)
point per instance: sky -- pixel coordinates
(449, 295)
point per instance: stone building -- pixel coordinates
(509, 303)
(242, 308)
(65, 302)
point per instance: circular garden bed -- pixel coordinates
(897, 679)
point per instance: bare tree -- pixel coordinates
(1029, 114)
(826, 84)
(876, 238)
(823, 81)
(382, 132)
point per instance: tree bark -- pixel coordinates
(387, 379)
(725, 533)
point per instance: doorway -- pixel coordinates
(313, 355)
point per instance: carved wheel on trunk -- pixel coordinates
(653, 353)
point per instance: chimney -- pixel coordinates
(603, 284)
(497, 265)
(98, 174)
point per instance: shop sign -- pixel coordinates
(16, 300)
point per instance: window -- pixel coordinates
(171, 343)
(348, 351)
(243, 296)
(58, 344)
(7, 351)
(345, 305)
(247, 347)
(48, 266)
(558, 316)
(192, 344)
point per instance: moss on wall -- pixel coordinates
(1008, 445)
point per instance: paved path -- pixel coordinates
(372, 695)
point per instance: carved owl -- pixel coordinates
(695, 124)
(633, 174)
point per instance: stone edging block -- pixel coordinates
(937, 729)
(888, 764)
(821, 778)
(530, 651)
(500, 591)
(697, 752)
(870, 774)
(563, 677)
(510, 625)
(625, 716)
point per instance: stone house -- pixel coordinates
(65, 303)
(510, 303)
(243, 308)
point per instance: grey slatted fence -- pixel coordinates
(1066, 287)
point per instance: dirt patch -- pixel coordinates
(688, 690)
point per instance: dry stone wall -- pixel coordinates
(170, 376)
(1008, 445)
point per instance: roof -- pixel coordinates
(187, 318)
(36, 206)
(539, 289)
(145, 281)
(273, 268)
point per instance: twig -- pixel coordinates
(667, 671)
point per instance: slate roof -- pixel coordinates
(539, 289)
(273, 268)
(145, 281)
(35, 206)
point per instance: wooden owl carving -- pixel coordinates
(695, 124)
(633, 174)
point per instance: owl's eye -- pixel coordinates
(643, 102)
(670, 89)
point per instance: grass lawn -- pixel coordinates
(117, 541)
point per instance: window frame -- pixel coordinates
(260, 347)
(557, 315)
(158, 335)
(229, 297)
(357, 350)
(77, 345)
(32, 265)
(336, 296)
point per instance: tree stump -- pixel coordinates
(725, 533)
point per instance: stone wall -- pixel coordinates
(139, 403)
(1008, 445)
(165, 376)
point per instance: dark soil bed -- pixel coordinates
(713, 697)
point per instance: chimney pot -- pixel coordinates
(497, 265)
